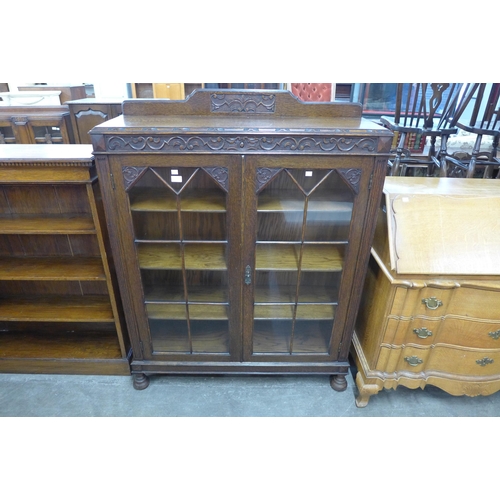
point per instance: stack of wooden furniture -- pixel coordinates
(35, 125)
(430, 311)
(241, 225)
(60, 311)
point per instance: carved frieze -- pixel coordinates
(243, 103)
(243, 144)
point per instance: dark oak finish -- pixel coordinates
(241, 224)
(422, 110)
(35, 125)
(87, 113)
(484, 119)
(59, 312)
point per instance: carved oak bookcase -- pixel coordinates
(241, 225)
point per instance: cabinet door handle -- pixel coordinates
(422, 333)
(432, 303)
(248, 275)
(495, 335)
(484, 361)
(413, 360)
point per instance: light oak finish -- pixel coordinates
(418, 329)
(59, 310)
(446, 244)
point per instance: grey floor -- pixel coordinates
(222, 396)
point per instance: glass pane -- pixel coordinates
(303, 223)
(7, 135)
(47, 133)
(179, 217)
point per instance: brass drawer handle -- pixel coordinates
(495, 335)
(484, 361)
(422, 333)
(432, 303)
(413, 360)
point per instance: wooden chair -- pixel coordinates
(484, 119)
(422, 110)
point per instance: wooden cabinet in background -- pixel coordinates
(174, 91)
(241, 224)
(440, 327)
(59, 307)
(68, 92)
(87, 113)
(35, 125)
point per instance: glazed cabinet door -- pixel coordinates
(181, 237)
(301, 245)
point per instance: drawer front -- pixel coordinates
(434, 302)
(450, 360)
(464, 332)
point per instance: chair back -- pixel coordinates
(478, 109)
(425, 106)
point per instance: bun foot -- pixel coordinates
(140, 381)
(338, 383)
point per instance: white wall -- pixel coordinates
(110, 90)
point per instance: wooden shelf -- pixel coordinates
(161, 200)
(60, 345)
(178, 311)
(57, 309)
(46, 224)
(277, 257)
(286, 294)
(197, 256)
(271, 337)
(322, 203)
(195, 294)
(209, 337)
(304, 312)
(52, 268)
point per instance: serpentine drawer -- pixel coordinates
(435, 302)
(443, 359)
(458, 331)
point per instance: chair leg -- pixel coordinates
(443, 164)
(396, 164)
(432, 154)
(488, 173)
(475, 151)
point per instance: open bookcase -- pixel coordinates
(240, 225)
(59, 312)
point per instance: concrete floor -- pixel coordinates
(222, 396)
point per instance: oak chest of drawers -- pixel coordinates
(414, 328)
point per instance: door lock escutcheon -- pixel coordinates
(248, 275)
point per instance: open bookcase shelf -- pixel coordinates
(59, 307)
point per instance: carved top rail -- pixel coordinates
(256, 102)
(235, 121)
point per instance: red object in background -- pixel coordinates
(316, 92)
